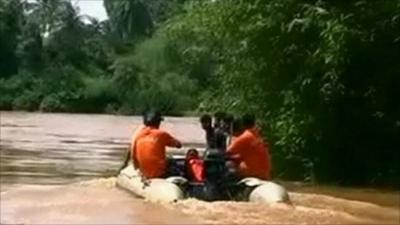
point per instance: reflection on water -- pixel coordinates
(54, 169)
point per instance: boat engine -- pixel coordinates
(220, 176)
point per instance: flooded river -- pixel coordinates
(60, 169)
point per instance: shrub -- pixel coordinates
(28, 101)
(52, 103)
(97, 94)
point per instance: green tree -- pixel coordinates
(129, 19)
(10, 20)
(162, 10)
(49, 15)
(306, 70)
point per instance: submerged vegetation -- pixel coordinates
(322, 77)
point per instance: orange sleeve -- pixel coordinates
(169, 140)
(238, 144)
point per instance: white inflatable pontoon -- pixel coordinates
(171, 189)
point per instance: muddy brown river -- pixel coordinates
(60, 169)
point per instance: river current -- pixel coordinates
(61, 168)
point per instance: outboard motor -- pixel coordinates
(216, 172)
(215, 165)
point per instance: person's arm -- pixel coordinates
(171, 141)
(134, 157)
(127, 158)
(238, 144)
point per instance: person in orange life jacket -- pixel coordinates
(249, 122)
(194, 166)
(148, 150)
(251, 151)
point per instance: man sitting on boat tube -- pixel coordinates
(148, 150)
(249, 150)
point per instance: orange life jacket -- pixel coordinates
(195, 167)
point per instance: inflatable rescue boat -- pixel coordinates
(219, 184)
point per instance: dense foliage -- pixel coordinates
(322, 77)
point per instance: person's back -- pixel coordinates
(253, 153)
(149, 151)
(249, 122)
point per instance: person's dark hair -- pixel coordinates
(205, 118)
(152, 118)
(228, 118)
(248, 121)
(219, 115)
(218, 118)
(191, 152)
(227, 123)
(237, 126)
